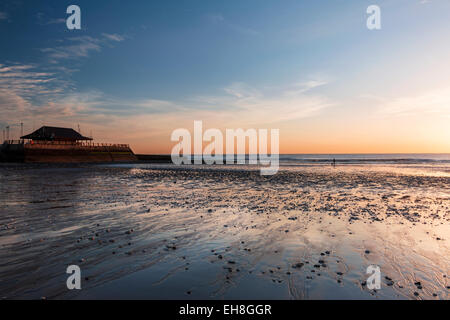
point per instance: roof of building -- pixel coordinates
(55, 133)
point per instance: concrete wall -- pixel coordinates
(38, 153)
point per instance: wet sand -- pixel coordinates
(165, 232)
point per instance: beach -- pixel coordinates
(159, 231)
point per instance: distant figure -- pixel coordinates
(334, 162)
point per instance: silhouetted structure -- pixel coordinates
(55, 134)
(55, 144)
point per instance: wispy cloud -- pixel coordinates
(113, 37)
(218, 19)
(56, 21)
(80, 47)
(435, 101)
(239, 105)
(4, 17)
(47, 92)
(23, 89)
(42, 19)
(24, 81)
(306, 86)
(245, 105)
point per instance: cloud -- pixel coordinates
(80, 47)
(3, 16)
(56, 21)
(24, 81)
(11, 103)
(43, 20)
(241, 90)
(435, 101)
(46, 92)
(248, 106)
(29, 94)
(113, 37)
(218, 19)
(306, 86)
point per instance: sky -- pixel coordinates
(138, 70)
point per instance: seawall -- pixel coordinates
(65, 153)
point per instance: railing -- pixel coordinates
(67, 143)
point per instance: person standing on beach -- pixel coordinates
(334, 162)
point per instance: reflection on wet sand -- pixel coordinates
(154, 231)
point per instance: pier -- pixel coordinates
(64, 145)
